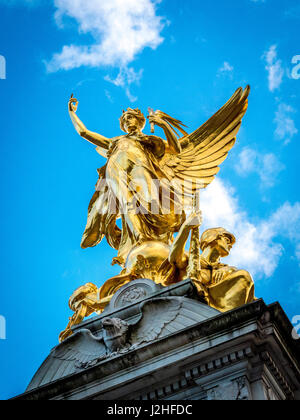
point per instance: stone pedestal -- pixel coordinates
(177, 348)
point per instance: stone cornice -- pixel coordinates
(252, 313)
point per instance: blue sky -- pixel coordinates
(183, 57)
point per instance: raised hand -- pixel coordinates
(156, 120)
(94, 138)
(73, 104)
(195, 220)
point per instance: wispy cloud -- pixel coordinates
(266, 166)
(285, 125)
(120, 29)
(274, 68)
(293, 12)
(298, 255)
(109, 96)
(259, 245)
(126, 77)
(226, 68)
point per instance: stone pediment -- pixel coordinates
(139, 314)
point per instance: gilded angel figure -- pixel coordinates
(182, 163)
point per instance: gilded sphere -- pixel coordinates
(150, 254)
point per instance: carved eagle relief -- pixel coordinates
(159, 318)
(86, 350)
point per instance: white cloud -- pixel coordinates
(285, 125)
(266, 166)
(298, 253)
(293, 12)
(109, 96)
(259, 245)
(121, 29)
(226, 68)
(125, 78)
(274, 68)
(247, 161)
(269, 169)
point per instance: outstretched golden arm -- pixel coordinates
(81, 129)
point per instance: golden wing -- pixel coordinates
(205, 149)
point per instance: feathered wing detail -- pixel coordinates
(82, 347)
(64, 360)
(157, 314)
(206, 148)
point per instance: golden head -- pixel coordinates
(132, 120)
(218, 238)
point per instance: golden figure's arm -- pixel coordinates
(81, 129)
(173, 142)
(177, 253)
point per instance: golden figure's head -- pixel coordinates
(218, 238)
(132, 120)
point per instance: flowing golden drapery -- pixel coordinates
(126, 190)
(135, 162)
(148, 183)
(234, 290)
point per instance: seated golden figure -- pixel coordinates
(223, 287)
(227, 287)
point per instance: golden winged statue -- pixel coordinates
(149, 182)
(136, 162)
